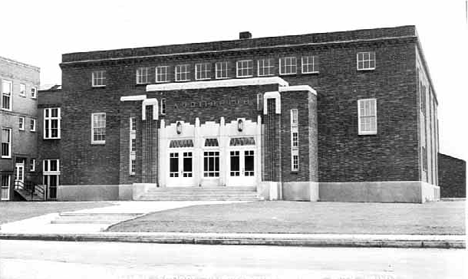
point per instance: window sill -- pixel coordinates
(98, 143)
(51, 138)
(98, 86)
(6, 157)
(310, 73)
(367, 134)
(365, 70)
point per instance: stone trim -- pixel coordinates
(272, 95)
(150, 102)
(298, 88)
(132, 98)
(216, 83)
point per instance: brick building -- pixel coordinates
(18, 88)
(452, 177)
(343, 116)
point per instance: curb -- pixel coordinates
(309, 240)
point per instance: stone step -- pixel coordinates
(191, 198)
(204, 189)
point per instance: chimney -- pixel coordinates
(245, 35)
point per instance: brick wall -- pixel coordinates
(452, 177)
(343, 155)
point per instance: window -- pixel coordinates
(222, 70)
(132, 162)
(288, 65)
(367, 116)
(32, 165)
(21, 123)
(162, 74)
(163, 106)
(245, 68)
(51, 176)
(5, 188)
(143, 75)
(310, 64)
(98, 128)
(6, 143)
(265, 67)
(99, 78)
(202, 71)
(211, 164)
(33, 92)
(294, 140)
(32, 125)
(52, 123)
(182, 72)
(6, 94)
(259, 101)
(22, 89)
(366, 60)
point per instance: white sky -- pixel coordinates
(39, 32)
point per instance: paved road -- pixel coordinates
(49, 259)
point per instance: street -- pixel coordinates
(50, 259)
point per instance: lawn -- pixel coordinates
(15, 211)
(306, 217)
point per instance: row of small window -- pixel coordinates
(22, 124)
(244, 68)
(7, 93)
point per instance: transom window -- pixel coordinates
(143, 75)
(265, 67)
(6, 143)
(99, 78)
(202, 71)
(52, 123)
(367, 116)
(222, 70)
(6, 94)
(310, 64)
(51, 166)
(162, 74)
(22, 89)
(288, 65)
(98, 128)
(366, 60)
(245, 68)
(182, 72)
(211, 142)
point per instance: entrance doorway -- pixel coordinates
(241, 167)
(19, 174)
(180, 168)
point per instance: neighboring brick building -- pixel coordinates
(344, 116)
(452, 177)
(18, 122)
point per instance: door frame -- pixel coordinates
(242, 179)
(180, 180)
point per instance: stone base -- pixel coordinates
(269, 190)
(87, 192)
(300, 191)
(385, 191)
(139, 189)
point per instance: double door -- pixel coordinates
(241, 167)
(180, 168)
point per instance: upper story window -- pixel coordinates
(182, 72)
(22, 89)
(294, 140)
(162, 74)
(21, 123)
(32, 164)
(265, 67)
(222, 70)
(98, 128)
(288, 65)
(6, 94)
(51, 166)
(32, 125)
(99, 79)
(143, 75)
(52, 123)
(33, 92)
(163, 106)
(6, 143)
(244, 68)
(366, 60)
(310, 64)
(367, 116)
(202, 71)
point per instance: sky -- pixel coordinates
(39, 32)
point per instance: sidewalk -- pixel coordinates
(90, 225)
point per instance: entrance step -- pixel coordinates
(201, 194)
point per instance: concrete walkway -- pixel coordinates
(95, 219)
(90, 225)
